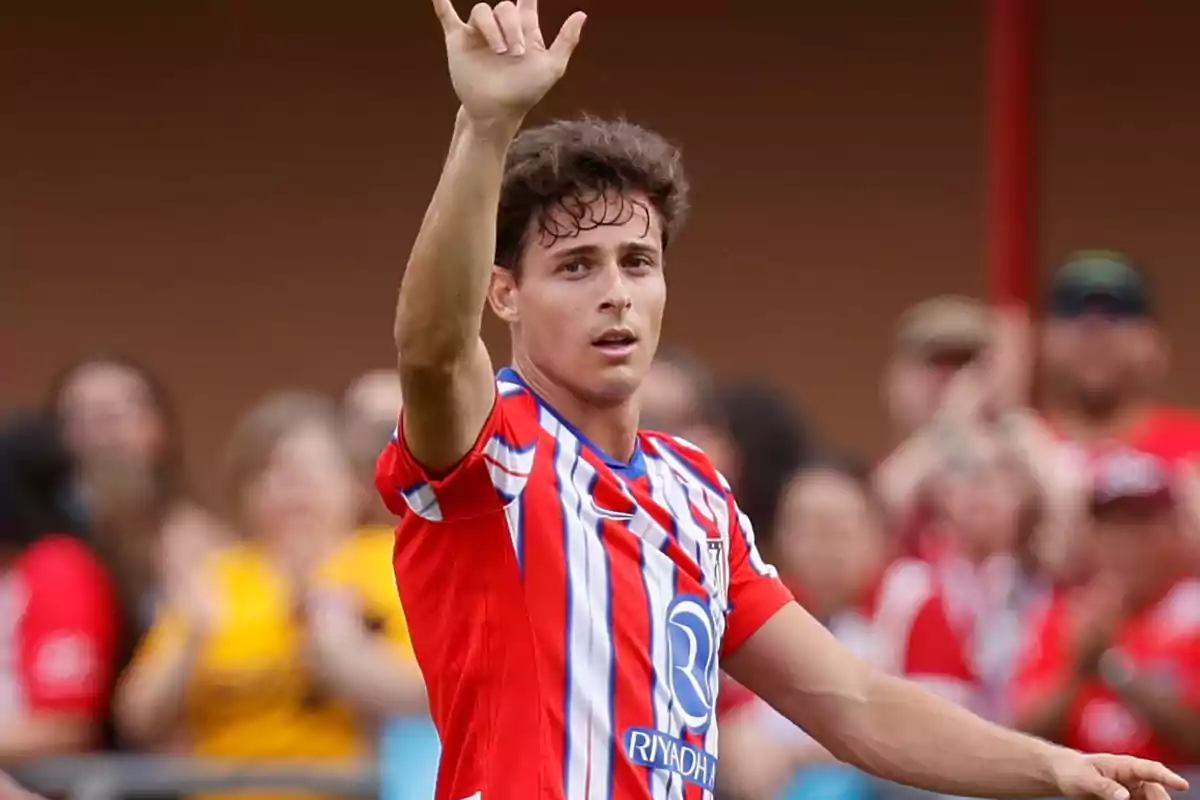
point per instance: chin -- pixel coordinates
(614, 385)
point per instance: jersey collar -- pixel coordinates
(630, 470)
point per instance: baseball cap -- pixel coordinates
(944, 324)
(1134, 480)
(1100, 280)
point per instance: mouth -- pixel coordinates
(616, 342)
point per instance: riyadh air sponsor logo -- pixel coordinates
(657, 750)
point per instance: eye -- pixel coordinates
(574, 267)
(640, 262)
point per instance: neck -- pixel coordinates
(612, 428)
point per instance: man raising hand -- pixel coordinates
(573, 583)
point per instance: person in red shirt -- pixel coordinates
(575, 584)
(59, 618)
(1104, 356)
(1115, 665)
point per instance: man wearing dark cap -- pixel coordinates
(1115, 665)
(1105, 356)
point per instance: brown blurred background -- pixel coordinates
(228, 189)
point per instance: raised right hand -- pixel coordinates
(499, 62)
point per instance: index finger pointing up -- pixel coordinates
(446, 13)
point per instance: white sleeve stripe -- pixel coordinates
(423, 502)
(757, 563)
(509, 458)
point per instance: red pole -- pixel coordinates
(1010, 167)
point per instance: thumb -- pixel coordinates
(568, 37)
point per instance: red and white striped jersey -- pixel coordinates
(569, 610)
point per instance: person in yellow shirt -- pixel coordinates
(290, 644)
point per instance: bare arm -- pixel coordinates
(40, 735)
(884, 725)
(369, 671)
(152, 695)
(501, 68)
(445, 370)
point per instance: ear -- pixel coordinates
(503, 295)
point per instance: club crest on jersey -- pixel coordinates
(719, 563)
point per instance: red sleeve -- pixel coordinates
(755, 591)
(488, 478)
(1042, 659)
(68, 634)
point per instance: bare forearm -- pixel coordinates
(152, 697)
(899, 479)
(442, 295)
(39, 735)
(376, 679)
(903, 733)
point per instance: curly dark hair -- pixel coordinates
(558, 171)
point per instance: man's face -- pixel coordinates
(917, 381)
(587, 308)
(1098, 357)
(829, 538)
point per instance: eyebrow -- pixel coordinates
(591, 249)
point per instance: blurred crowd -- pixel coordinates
(1026, 546)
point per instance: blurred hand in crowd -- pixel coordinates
(1097, 612)
(371, 412)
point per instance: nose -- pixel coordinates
(617, 296)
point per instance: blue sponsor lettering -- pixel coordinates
(657, 750)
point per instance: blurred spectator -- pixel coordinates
(753, 435)
(1114, 666)
(371, 409)
(832, 542)
(1104, 358)
(935, 340)
(291, 644)
(120, 424)
(674, 392)
(983, 505)
(58, 609)
(409, 748)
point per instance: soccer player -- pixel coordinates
(573, 583)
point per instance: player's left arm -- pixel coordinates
(66, 659)
(891, 727)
